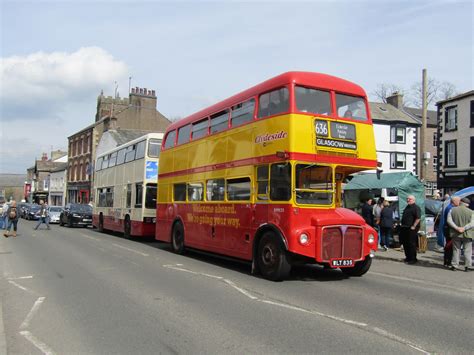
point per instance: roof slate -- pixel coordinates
(386, 112)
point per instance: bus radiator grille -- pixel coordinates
(341, 242)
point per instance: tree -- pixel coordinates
(384, 90)
(435, 91)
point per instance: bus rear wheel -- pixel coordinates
(360, 268)
(127, 227)
(177, 239)
(272, 259)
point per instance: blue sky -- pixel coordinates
(56, 56)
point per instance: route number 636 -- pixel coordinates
(321, 128)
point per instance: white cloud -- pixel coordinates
(37, 85)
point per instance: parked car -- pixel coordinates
(76, 214)
(32, 212)
(24, 210)
(54, 213)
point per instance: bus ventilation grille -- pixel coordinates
(337, 244)
(338, 154)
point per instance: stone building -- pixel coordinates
(137, 112)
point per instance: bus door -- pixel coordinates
(237, 216)
(260, 210)
(211, 229)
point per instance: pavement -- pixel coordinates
(433, 256)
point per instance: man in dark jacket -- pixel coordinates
(410, 225)
(367, 212)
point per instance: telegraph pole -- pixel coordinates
(423, 166)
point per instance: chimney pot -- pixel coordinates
(152, 92)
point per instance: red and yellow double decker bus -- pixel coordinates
(259, 176)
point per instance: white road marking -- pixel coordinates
(19, 286)
(89, 237)
(20, 278)
(241, 290)
(33, 310)
(45, 349)
(349, 322)
(129, 249)
(434, 284)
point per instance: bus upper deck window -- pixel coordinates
(154, 148)
(312, 100)
(170, 139)
(351, 107)
(273, 102)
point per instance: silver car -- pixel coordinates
(54, 213)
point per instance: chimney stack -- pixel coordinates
(44, 157)
(396, 99)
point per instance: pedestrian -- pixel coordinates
(43, 214)
(12, 215)
(4, 216)
(376, 211)
(448, 246)
(386, 225)
(2, 220)
(367, 213)
(410, 225)
(461, 221)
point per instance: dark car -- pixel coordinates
(76, 214)
(31, 213)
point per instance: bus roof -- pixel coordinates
(130, 142)
(316, 80)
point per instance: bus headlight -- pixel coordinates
(304, 239)
(371, 238)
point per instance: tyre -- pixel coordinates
(360, 268)
(177, 238)
(101, 223)
(127, 227)
(272, 259)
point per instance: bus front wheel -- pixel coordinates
(127, 227)
(360, 268)
(177, 239)
(272, 259)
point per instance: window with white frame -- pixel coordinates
(397, 134)
(397, 160)
(451, 153)
(435, 163)
(451, 118)
(435, 139)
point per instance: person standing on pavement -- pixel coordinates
(461, 221)
(410, 225)
(43, 213)
(12, 216)
(367, 212)
(386, 225)
(376, 211)
(448, 245)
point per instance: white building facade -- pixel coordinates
(396, 138)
